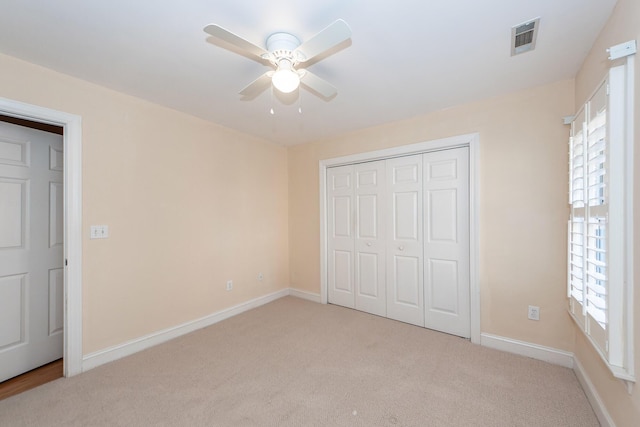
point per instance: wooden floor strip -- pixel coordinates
(31, 379)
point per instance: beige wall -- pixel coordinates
(623, 25)
(189, 205)
(523, 207)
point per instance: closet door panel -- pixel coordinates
(340, 239)
(446, 246)
(370, 265)
(405, 291)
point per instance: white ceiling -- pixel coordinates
(405, 58)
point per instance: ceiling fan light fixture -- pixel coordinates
(284, 52)
(285, 79)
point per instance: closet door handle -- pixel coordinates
(401, 248)
(368, 243)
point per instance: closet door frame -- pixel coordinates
(472, 141)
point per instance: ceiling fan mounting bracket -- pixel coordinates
(281, 46)
(282, 41)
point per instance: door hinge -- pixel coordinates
(65, 262)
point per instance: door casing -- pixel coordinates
(72, 176)
(469, 140)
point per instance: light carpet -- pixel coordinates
(298, 363)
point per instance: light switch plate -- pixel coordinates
(99, 232)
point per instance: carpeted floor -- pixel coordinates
(297, 363)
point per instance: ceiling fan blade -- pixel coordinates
(227, 36)
(254, 88)
(334, 34)
(316, 84)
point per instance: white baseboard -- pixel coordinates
(594, 398)
(309, 296)
(535, 351)
(128, 348)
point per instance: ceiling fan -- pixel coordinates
(287, 55)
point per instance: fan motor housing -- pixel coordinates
(282, 45)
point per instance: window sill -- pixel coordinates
(618, 372)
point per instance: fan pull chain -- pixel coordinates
(271, 111)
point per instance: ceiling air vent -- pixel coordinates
(523, 36)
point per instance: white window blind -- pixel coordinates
(598, 282)
(577, 202)
(597, 209)
(588, 250)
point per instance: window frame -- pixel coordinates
(613, 338)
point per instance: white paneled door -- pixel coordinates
(340, 186)
(357, 238)
(398, 239)
(369, 256)
(446, 241)
(405, 297)
(31, 249)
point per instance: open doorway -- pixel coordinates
(69, 233)
(31, 252)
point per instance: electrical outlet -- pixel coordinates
(534, 312)
(99, 232)
(229, 285)
(260, 276)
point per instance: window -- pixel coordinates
(599, 240)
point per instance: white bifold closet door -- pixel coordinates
(398, 239)
(357, 237)
(446, 241)
(405, 300)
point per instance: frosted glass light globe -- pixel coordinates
(286, 80)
